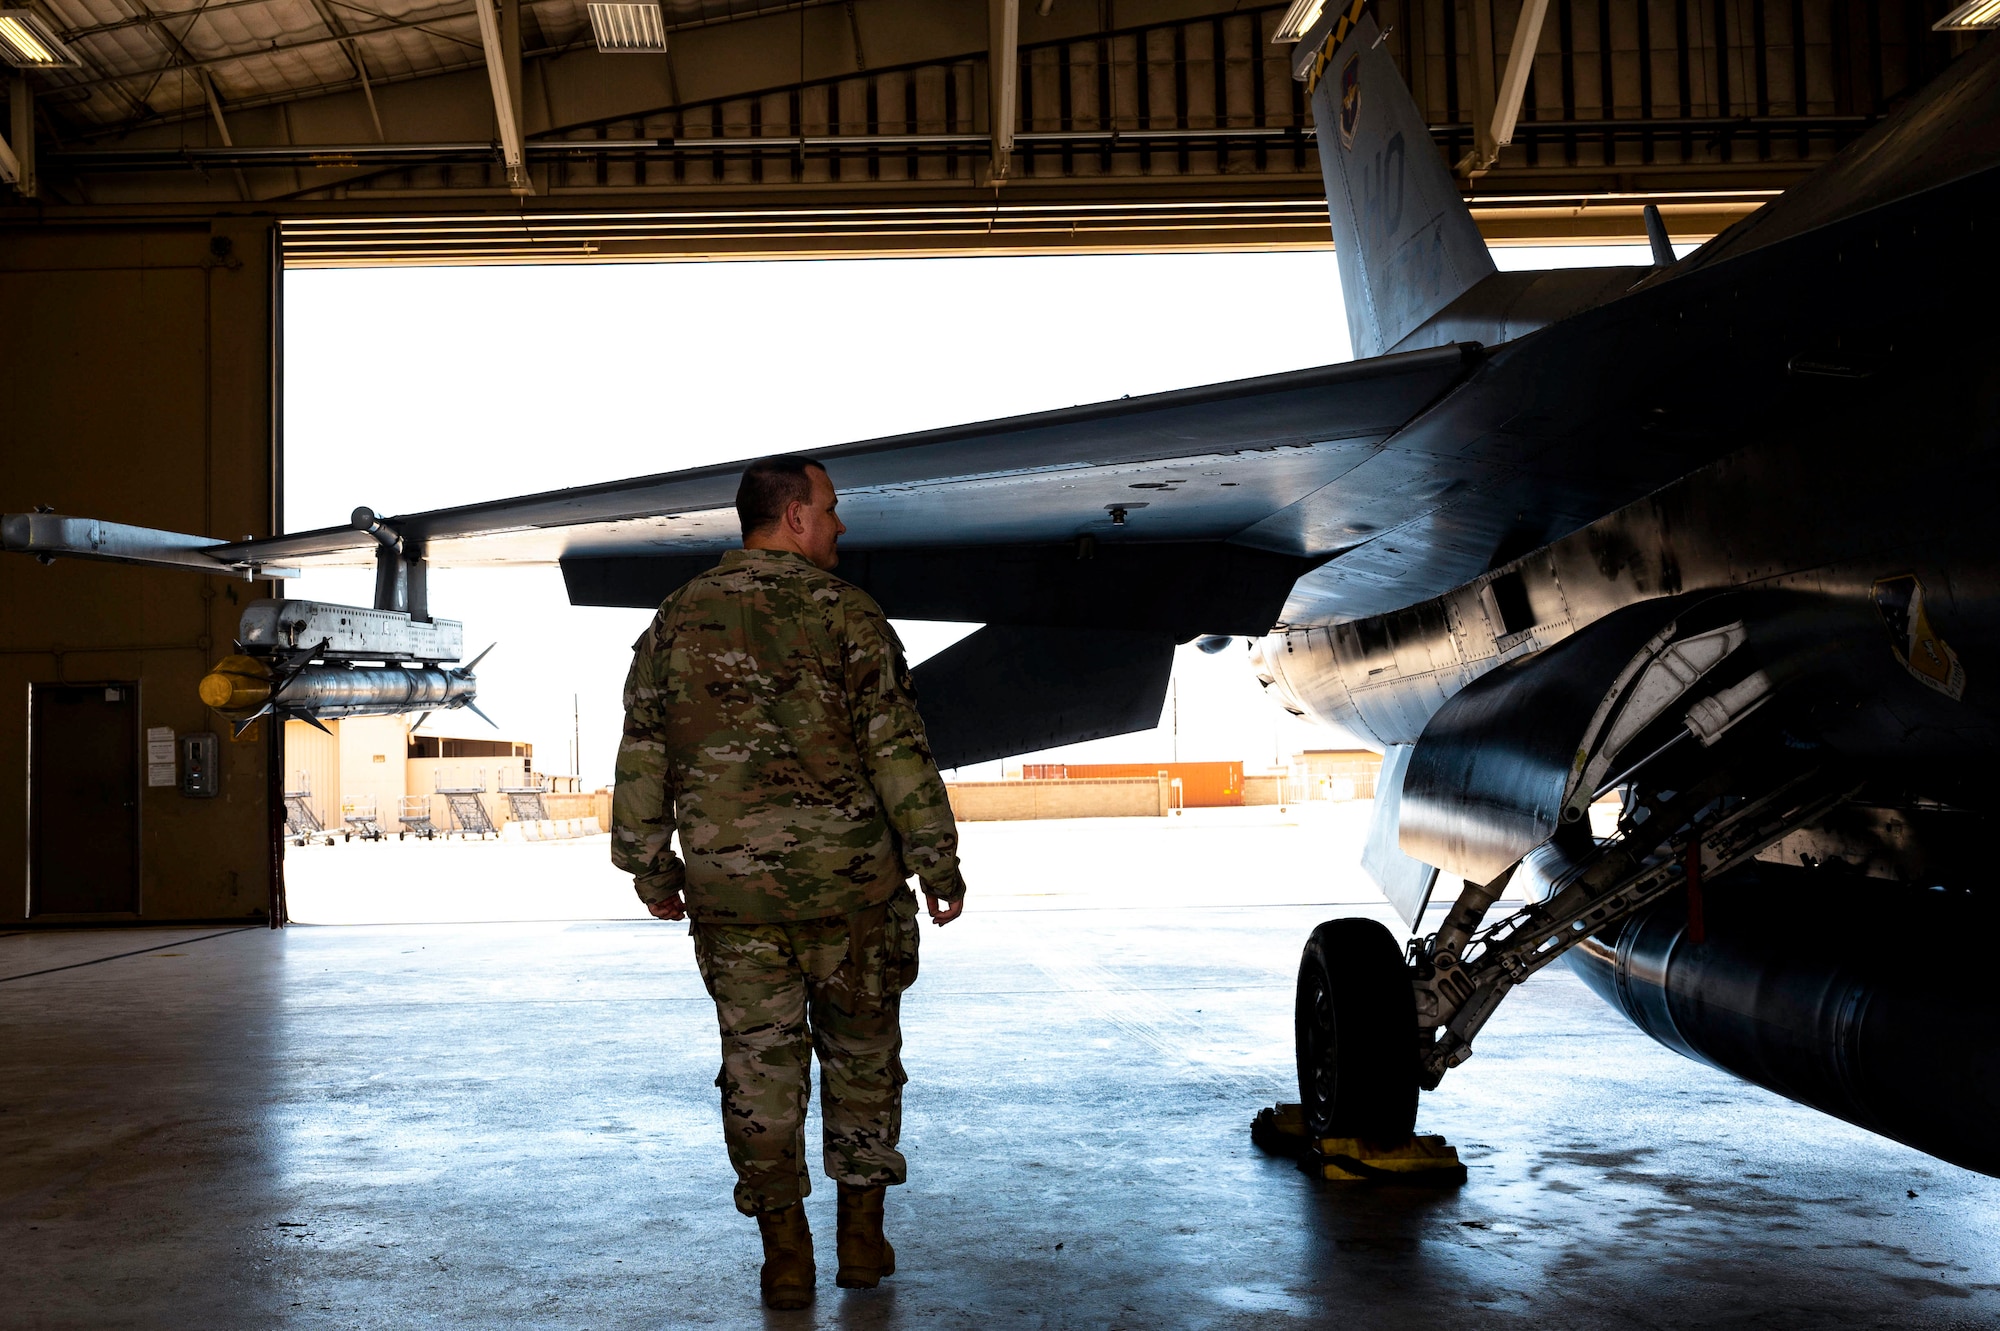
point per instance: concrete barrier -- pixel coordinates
(579, 804)
(1266, 788)
(1091, 797)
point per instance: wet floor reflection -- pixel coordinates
(515, 1125)
(135, 1171)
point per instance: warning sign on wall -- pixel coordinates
(160, 756)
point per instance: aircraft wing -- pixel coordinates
(1304, 499)
(1154, 476)
(1310, 498)
(1089, 540)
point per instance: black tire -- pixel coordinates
(1355, 1024)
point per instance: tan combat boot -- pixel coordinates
(788, 1274)
(865, 1256)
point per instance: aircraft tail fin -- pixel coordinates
(1406, 242)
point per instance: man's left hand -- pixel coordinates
(670, 909)
(943, 912)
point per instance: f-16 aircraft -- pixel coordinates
(1712, 536)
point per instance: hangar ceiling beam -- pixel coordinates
(183, 58)
(1484, 152)
(510, 51)
(506, 102)
(335, 25)
(1520, 60)
(1157, 123)
(17, 150)
(1003, 79)
(1497, 110)
(349, 37)
(711, 60)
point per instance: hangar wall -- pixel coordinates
(137, 385)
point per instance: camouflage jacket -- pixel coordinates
(769, 718)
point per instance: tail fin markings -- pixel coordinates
(1405, 240)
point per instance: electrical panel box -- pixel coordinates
(201, 765)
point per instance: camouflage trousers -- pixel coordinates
(784, 992)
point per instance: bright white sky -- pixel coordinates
(417, 388)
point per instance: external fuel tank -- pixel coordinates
(1896, 1030)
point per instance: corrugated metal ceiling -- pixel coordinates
(144, 61)
(1183, 129)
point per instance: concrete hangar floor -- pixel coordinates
(512, 1124)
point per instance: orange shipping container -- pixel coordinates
(1203, 785)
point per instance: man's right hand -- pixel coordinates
(670, 909)
(942, 911)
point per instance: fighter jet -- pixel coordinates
(1709, 537)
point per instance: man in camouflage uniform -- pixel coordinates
(770, 722)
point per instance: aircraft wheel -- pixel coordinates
(1355, 1023)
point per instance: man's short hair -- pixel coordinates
(768, 485)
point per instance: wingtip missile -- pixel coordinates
(291, 661)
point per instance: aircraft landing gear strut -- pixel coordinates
(1461, 973)
(1372, 1028)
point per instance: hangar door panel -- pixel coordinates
(83, 799)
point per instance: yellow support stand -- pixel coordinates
(1420, 1159)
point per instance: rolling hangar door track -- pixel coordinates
(210, 1120)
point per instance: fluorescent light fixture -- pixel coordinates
(1298, 21)
(1973, 14)
(624, 28)
(28, 42)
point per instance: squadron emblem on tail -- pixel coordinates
(1350, 100)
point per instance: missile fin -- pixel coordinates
(296, 661)
(251, 719)
(473, 707)
(468, 666)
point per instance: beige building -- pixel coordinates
(1336, 774)
(373, 764)
(1052, 790)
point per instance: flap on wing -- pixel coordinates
(1195, 464)
(1009, 689)
(1179, 588)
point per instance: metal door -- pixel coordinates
(83, 799)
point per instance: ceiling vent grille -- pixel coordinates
(623, 29)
